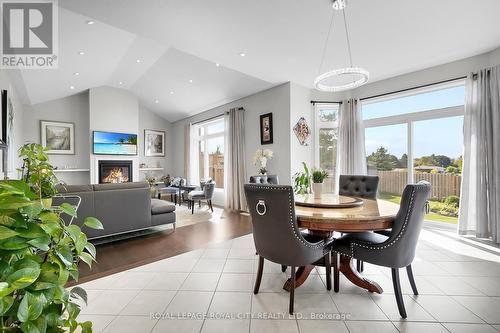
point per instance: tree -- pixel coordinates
(121, 140)
(327, 148)
(382, 160)
(404, 161)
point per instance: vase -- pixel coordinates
(317, 190)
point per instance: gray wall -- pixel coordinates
(275, 100)
(150, 120)
(72, 109)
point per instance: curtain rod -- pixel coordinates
(217, 116)
(325, 102)
(418, 87)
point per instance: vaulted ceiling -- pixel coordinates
(166, 51)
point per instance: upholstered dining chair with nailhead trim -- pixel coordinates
(277, 236)
(397, 250)
(359, 186)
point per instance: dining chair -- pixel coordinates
(359, 186)
(277, 236)
(266, 179)
(397, 250)
(205, 193)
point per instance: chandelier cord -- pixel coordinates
(347, 37)
(326, 44)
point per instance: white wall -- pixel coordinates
(6, 83)
(73, 109)
(275, 100)
(150, 120)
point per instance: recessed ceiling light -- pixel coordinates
(190, 81)
(138, 61)
(217, 64)
(171, 92)
(242, 54)
(90, 22)
(72, 87)
(120, 83)
(81, 53)
(76, 73)
(157, 101)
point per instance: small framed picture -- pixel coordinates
(58, 137)
(266, 129)
(154, 143)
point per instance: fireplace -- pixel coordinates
(115, 171)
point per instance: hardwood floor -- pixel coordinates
(126, 254)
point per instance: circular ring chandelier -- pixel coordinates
(364, 76)
(319, 82)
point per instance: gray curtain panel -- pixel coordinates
(480, 193)
(351, 142)
(235, 176)
(187, 147)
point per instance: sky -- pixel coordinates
(105, 137)
(438, 136)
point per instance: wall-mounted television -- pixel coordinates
(108, 143)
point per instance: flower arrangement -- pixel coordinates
(260, 159)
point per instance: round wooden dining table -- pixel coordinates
(333, 213)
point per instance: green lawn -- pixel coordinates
(430, 217)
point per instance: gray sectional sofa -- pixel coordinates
(121, 207)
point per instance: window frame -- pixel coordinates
(409, 119)
(318, 125)
(203, 139)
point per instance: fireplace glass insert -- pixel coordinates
(115, 171)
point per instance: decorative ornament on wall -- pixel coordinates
(302, 131)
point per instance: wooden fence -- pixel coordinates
(443, 184)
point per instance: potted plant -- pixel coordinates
(39, 253)
(166, 180)
(302, 181)
(318, 176)
(260, 159)
(38, 173)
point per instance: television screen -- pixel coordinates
(106, 143)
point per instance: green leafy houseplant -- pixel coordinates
(319, 175)
(302, 181)
(39, 253)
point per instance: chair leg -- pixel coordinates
(336, 272)
(283, 268)
(259, 275)
(292, 290)
(328, 267)
(192, 206)
(409, 271)
(211, 207)
(199, 203)
(397, 292)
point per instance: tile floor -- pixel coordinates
(458, 280)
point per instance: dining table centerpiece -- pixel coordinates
(318, 177)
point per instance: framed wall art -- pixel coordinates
(266, 129)
(154, 143)
(58, 137)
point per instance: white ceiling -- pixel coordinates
(181, 40)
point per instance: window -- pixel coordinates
(210, 146)
(418, 136)
(326, 124)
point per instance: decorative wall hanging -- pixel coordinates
(58, 137)
(154, 143)
(266, 129)
(302, 131)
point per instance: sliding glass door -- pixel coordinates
(418, 136)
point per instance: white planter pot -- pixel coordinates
(317, 189)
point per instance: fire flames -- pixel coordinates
(115, 176)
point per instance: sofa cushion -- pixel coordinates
(161, 207)
(196, 195)
(120, 186)
(74, 188)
